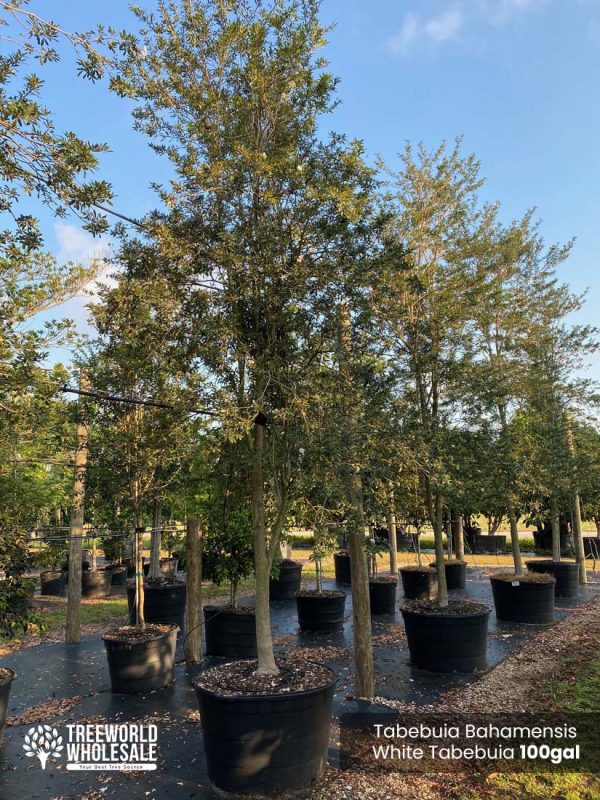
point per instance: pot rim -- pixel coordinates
(252, 698)
(248, 610)
(328, 594)
(485, 612)
(107, 638)
(548, 562)
(550, 582)
(8, 678)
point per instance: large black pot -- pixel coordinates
(321, 613)
(266, 745)
(163, 604)
(168, 567)
(343, 572)
(566, 574)
(456, 574)
(382, 594)
(141, 666)
(118, 575)
(53, 582)
(419, 584)
(493, 544)
(523, 601)
(5, 684)
(288, 583)
(96, 583)
(230, 632)
(447, 642)
(591, 547)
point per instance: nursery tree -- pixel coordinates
(262, 216)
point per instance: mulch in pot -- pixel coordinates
(131, 633)
(239, 679)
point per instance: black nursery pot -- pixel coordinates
(230, 632)
(523, 601)
(266, 744)
(456, 574)
(96, 583)
(493, 544)
(566, 574)
(288, 583)
(418, 584)
(164, 604)
(141, 665)
(449, 642)
(5, 686)
(118, 576)
(53, 582)
(343, 573)
(382, 594)
(321, 613)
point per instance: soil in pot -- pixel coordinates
(230, 632)
(289, 581)
(265, 735)
(164, 601)
(450, 639)
(456, 573)
(6, 678)
(566, 574)
(527, 599)
(418, 583)
(321, 612)
(52, 582)
(141, 660)
(96, 583)
(382, 594)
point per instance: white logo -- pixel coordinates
(43, 742)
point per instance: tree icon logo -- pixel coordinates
(43, 742)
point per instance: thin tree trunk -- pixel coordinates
(264, 638)
(156, 541)
(578, 536)
(139, 570)
(449, 548)
(555, 517)
(438, 532)
(94, 555)
(459, 537)
(393, 542)
(193, 607)
(514, 539)
(73, 627)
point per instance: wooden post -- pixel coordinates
(73, 629)
(193, 609)
(393, 541)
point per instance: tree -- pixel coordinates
(261, 216)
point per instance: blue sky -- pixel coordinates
(517, 78)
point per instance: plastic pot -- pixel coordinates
(163, 604)
(343, 573)
(382, 594)
(168, 567)
(321, 613)
(523, 601)
(5, 686)
(418, 584)
(447, 642)
(118, 576)
(493, 544)
(230, 632)
(266, 745)
(456, 574)
(53, 582)
(288, 583)
(141, 666)
(96, 583)
(566, 574)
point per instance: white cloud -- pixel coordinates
(75, 244)
(448, 25)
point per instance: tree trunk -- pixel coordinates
(94, 555)
(514, 539)
(555, 518)
(73, 628)
(139, 571)
(438, 533)
(264, 639)
(578, 536)
(459, 537)
(156, 541)
(449, 548)
(193, 608)
(393, 542)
